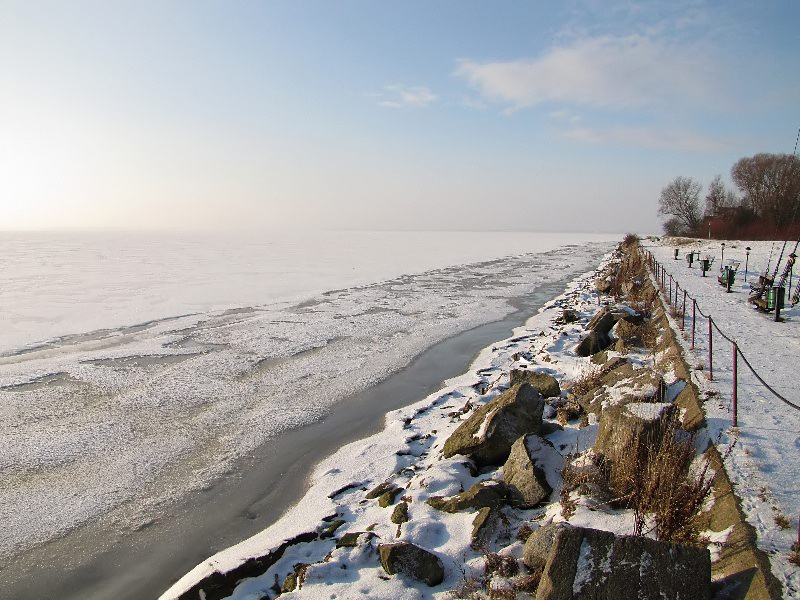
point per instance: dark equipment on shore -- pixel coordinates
(690, 258)
(728, 275)
(775, 301)
(705, 264)
(764, 281)
(777, 293)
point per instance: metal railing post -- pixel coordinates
(735, 385)
(710, 351)
(694, 320)
(683, 312)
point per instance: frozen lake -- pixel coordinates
(135, 369)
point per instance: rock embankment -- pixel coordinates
(577, 466)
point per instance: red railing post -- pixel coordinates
(694, 320)
(735, 385)
(710, 351)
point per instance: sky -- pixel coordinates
(355, 114)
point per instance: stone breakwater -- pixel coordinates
(552, 471)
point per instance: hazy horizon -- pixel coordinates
(358, 115)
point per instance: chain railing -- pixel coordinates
(671, 288)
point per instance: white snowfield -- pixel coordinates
(765, 463)
(763, 466)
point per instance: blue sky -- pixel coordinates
(560, 116)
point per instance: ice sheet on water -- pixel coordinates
(164, 408)
(62, 285)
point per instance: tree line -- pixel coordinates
(765, 205)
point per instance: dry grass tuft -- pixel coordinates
(630, 239)
(524, 532)
(631, 268)
(569, 411)
(653, 477)
(572, 478)
(501, 579)
(500, 564)
(782, 522)
(588, 381)
(527, 583)
(470, 588)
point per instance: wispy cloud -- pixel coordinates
(612, 72)
(400, 96)
(646, 138)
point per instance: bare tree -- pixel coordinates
(681, 200)
(719, 198)
(715, 198)
(771, 186)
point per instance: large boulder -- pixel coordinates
(603, 284)
(544, 383)
(594, 342)
(622, 383)
(484, 526)
(581, 563)
(630, 331)
(526, 471)
(621, 426)
(407, 559)
(488, 434)
(603, 320)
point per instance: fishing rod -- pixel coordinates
(769, 260)
(763, 279)
(789, 265)
(778, 264)
(796, 140)
(796, 294)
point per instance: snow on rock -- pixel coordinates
(648, 411)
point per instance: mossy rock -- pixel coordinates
(488, 493)
(412, 561)
(331, 529)
(350, 540)
(544, 383)
(379, 490)
(483, 526)
(294, 578)
(386, 499)
(524, 471)
(400, 513)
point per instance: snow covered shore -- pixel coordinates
(407, 454)
(764, 464)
